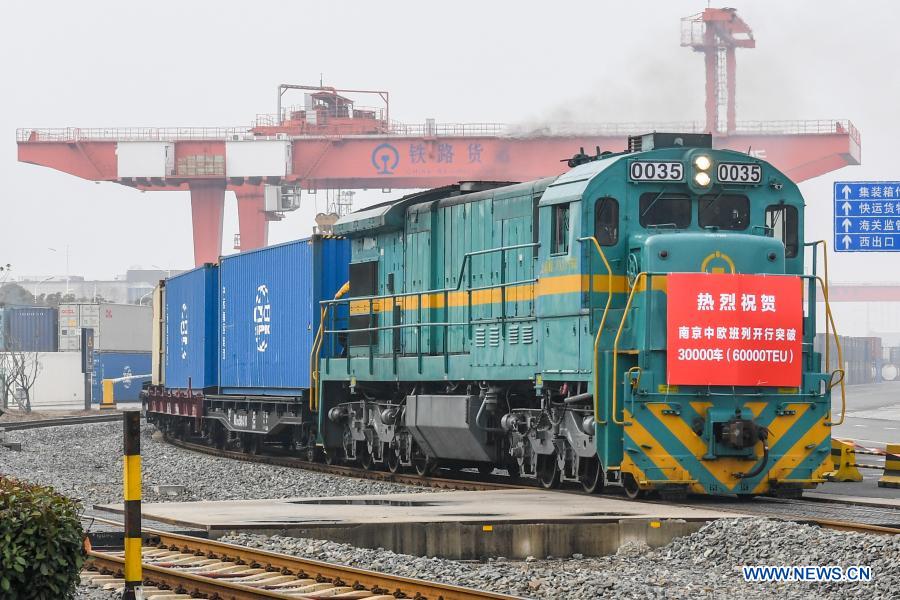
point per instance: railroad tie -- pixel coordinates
(891, 476)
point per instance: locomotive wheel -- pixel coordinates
(547, 471)
(631, 487)
(365, 457)
(485, 468)
(331, 457)
(424, 466)
(591, 475)
(393, 460)
(512, 467)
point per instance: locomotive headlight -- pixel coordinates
(703, 163)
(702, 179)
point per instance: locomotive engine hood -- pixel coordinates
(711, 252)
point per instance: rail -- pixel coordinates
(222, 570)
(418, 130)
(41, 423)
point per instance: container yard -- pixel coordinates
(597, 328)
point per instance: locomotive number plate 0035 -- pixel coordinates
(738, 173)
(652, 170)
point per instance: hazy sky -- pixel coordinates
(165, 63)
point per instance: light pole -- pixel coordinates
(159, 268)
(67, 266)
(38, 284)
(141, 299)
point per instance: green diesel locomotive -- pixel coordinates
(642, 320)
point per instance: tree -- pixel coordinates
(15, 294)
(18, 374)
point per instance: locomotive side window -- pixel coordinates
(782, 221)
(725, 211)
(606, 221)
(660, 208)
(559, 242)
(364, 279)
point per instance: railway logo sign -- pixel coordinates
(385, 158)
(726, 329)
(867, 216)
(262, 318)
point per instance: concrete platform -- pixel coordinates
(460, 524)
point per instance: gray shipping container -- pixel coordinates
(117, 327)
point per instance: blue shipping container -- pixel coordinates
(270, 312)
(192, 308)
(112, 365)
(30, 329)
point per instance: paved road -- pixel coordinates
(873, 414)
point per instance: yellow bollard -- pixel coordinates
(843, 455)
(891, 476)
(132, 491)
(108, 402)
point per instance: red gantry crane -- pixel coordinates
(330, 142)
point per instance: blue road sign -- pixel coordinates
(867, 216)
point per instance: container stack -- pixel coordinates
(28, 329)
(122, 343)
(862, 357)
(117, 327)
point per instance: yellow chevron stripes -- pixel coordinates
(721, 468)
(656, 452)
(807, 443)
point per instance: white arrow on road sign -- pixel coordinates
(846, 241)
(846, 191)
(846, 225)
(846, 207)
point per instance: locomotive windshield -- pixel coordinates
(725, 211)
(665, 209)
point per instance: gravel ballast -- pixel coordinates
(84, 462)
(706, 564)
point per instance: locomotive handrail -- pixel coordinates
(815, 256)
(609, 295)
(459, 281)
(317, 346)
(637, 279)
(840, 356)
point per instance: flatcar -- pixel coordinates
(642, 320)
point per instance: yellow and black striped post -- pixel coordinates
(891, 476)
(132, 489)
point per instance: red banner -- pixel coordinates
(734, 329)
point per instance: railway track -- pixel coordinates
(196, 567)
(860, 517)
(460, 483)
(39, 423)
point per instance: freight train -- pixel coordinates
(642, 320)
